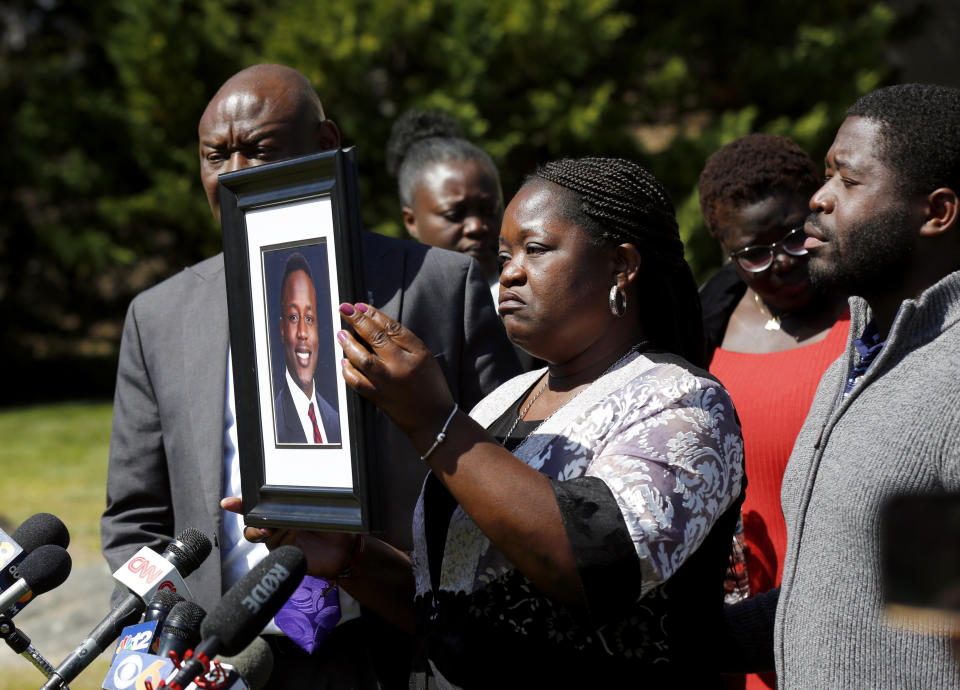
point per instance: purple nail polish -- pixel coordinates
(342, 336)
(361, 307)
(346, 309)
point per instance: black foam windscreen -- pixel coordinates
(160, 604)
(184, 621)
(254, 599)
(254, 663)
(188, 550)
(40, 529)
(165, 598)
(46, 567)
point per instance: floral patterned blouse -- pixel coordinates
(647, 468)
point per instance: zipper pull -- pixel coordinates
(816, 446)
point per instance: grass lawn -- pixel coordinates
(53, 459)
(26, 677)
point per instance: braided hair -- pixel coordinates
(618, 201)
(420, 138)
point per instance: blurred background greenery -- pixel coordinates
(101, 98)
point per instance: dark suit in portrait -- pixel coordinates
(301, 344)
(289, 428)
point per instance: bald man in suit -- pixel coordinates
(173, 443)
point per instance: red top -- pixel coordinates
(772, 393)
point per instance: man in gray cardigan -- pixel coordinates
(886, 418)
(173, 443)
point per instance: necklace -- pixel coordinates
(773, 323)
(523, 412)
(526, 408)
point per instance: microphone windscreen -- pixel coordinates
(40, 529)
(188, 550)
(159, 606)
(247, 606)
(187, 615)
(46, 567)
(183, 622)
(165, 598)
(254, 663)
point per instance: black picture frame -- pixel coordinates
(306, 206)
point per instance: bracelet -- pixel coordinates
(358, 545)
(442, 436)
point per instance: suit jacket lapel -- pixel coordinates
(205, 339)
(383, 273)
(291, 418)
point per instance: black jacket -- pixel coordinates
(718, 298)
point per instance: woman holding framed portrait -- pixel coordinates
(575, 526)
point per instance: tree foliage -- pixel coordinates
(662, 81)
(100, 191)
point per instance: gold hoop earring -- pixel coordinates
(617, 301)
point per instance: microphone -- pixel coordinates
(254, 663)
(147, 572)
(19, 642)
(46, 567)
(135, 669)
(36, 530)
(137, 637)
(142, 637)
(185, 554)
(159, 607)
(249, 670)
(244, 610)
(182, 629)
(40, 529)
(220, 677)
(135, 660)
(131, 669)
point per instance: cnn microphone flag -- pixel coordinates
(147, 572)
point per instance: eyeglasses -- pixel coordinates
(759, 257)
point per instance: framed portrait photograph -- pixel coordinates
(292, 254)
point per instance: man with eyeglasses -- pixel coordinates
(885, 421)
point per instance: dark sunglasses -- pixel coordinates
(759, 257)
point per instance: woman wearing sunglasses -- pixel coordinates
(770, 335)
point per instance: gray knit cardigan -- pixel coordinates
(897, 432)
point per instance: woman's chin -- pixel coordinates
(519, 341)
(796, 297)
(519, 336)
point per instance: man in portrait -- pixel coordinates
(301, 413)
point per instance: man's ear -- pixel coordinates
(941, 212)
(626, 261)
(327, 136)
(410, 222)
